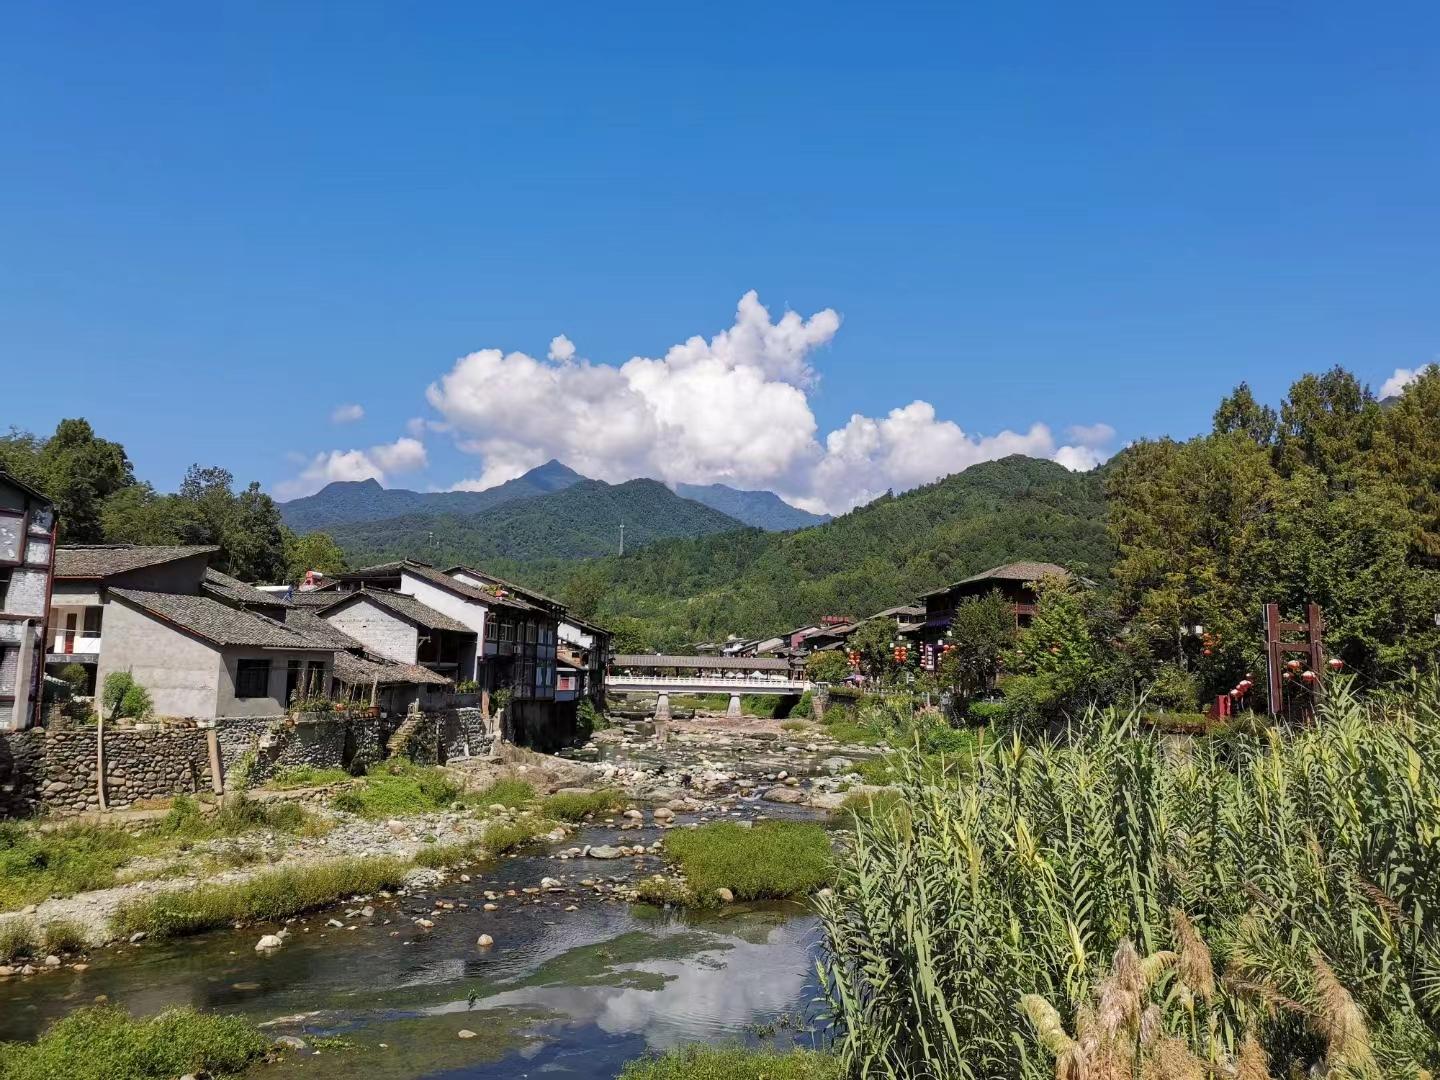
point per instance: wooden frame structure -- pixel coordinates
(1277, 648)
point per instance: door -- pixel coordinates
(70, 624)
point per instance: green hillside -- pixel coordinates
(577, 522)
(753, 582)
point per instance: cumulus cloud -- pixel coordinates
(1402, 378)
(733, 409)
(404, 455)
(347, 414)
(561, 348)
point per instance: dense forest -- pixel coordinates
(887, 552)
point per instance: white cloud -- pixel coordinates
(731, 409)
(404, 455)
(347, 414)
(561, 348)
(1402, 378)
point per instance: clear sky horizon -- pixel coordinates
(266, 235)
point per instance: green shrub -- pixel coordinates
(577, 805)
(772, 860)
(733, 1063)
(448, 856)
(398, 788)
(589, 719)
(508, 791)
(63, 936)
(274, 895)
(506, 836)
(805, 707)
(60, 862)
(17, 938)
(304, 776)
(103, 1043)
(236, 815)
(76, 677)
(123, 696)
(366, 757)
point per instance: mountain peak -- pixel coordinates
(336, 487)
(761, 509)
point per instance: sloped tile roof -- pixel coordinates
(407, 607)
(305, 621)
(231, 588)
(98, 561)
(363, 670)
(442, 580)
(1015, 571)
(218, 623)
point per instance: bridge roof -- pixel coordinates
(700, 663)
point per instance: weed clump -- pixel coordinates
(578, 805)
(59, 862)
(63, 936)
(277, 894)
(306, 776)
(733, 1063)
(397, 788)
(774, 860)
(507, 791)
(104, 1043)
(17, 938)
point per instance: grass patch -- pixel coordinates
(62, 862)
(105, 1043)
(63, 936)
(508, 792)
(733, 1063)
(305, 776)
(17, 938)
(274, 895)
(236, 815)
(577, 805)
(397, 788)
(772, 860)
(497, 839)
(794, 725)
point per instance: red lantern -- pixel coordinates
(1204, 652)
(1335, 663)
(1309, 676)
(1235, 693)
(1293, 665)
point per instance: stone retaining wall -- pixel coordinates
(53, 770)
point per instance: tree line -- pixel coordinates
(99, 501)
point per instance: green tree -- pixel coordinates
(1326, 423)
(1407, 449)
(79, 471)
(1062, 662)
(874, 640)
(827, 667)
(1241, 412)
(980, 632)
(313, 551)
(628, 635)
(139, 515)
(583, 592)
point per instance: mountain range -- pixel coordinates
(762, 509)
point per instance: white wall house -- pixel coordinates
(27, 549)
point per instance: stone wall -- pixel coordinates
(53, 769)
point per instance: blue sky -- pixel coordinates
(221, 222)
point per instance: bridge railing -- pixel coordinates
(755, 684)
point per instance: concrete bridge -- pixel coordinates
(665, 675)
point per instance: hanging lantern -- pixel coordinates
(1335, 663)
(1204, 652)
(1235, 693)
(1293, 665)
(1309, 676)
(1285, 675)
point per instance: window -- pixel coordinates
(4, 587)
(252, 678)
(490, 629)
(93, 616)
(530, 632)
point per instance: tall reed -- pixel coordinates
(1306, 865)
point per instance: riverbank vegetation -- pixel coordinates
(1249, 902)
(772, 860)
(733, 1063)
(578, 805)
(101, 1043)
(398, 787)
(274, 894)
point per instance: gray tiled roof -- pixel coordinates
(407, 607)
(520, 589)
(306, 621)
(1015, 571)
(442, 580)
(107, 560)
(231, 588)
(218, 623)
(362, 671)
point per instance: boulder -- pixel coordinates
(268, 942)
(605, 851)
(780, 794)
(725, 896)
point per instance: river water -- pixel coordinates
(560, 993)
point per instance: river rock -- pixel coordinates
(829, 800)
(551, 883)
(52, 961)
(485, 941)
(268, 942)
(725, 896)
(605, 851)
(836, 765)
(781, 794)
(465, 1033)
(664, 813)
(290, 1042)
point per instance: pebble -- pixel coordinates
(465, 1033)
(268, 942)
(485, 941)
(290, 1042)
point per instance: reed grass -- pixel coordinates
(1307, 865)
(733, 1063)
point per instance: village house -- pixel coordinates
(27, 552)
(585, 648)
(1015, 581)
(400, 627)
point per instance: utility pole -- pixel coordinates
(622, 538)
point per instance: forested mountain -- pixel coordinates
(349, 501)
(884, 553)
(580, 521)
(762, 509)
